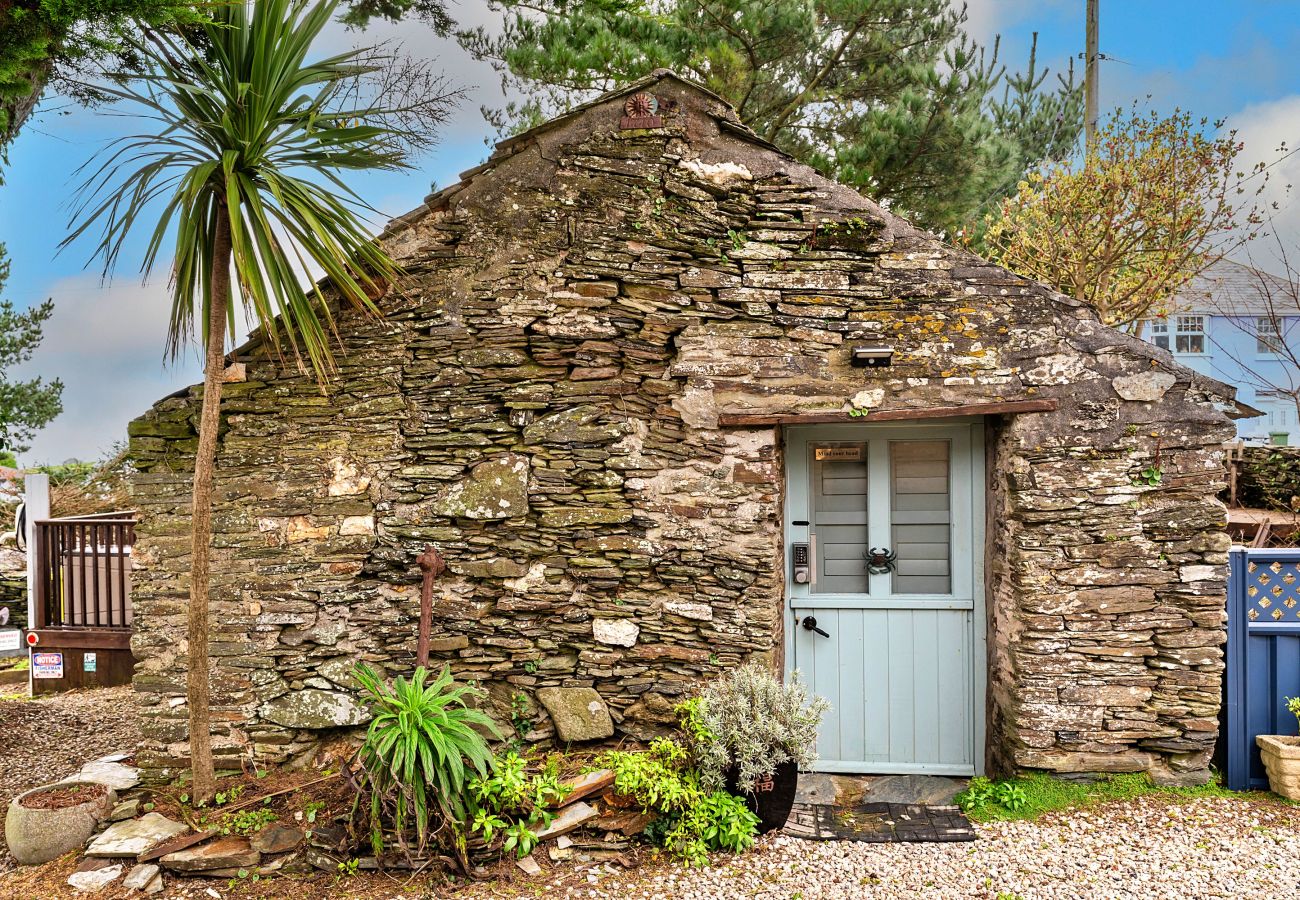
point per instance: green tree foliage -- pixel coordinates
(56, 42)
(28, 405)
(1156, 201)
(887, 95)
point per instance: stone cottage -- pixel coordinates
(667, 400)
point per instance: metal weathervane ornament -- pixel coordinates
(880, 560)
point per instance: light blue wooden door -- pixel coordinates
(895, 643)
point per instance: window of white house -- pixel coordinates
(1189, 334)
(1267, 339)
(1158, 332)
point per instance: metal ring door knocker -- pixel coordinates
(880, 560)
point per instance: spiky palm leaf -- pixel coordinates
(250, 124)
(422, 745)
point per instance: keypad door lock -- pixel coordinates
(800, 563)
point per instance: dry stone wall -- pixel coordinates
(545, 401)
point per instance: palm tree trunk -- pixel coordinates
(198, 686)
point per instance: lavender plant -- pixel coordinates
(750, 721)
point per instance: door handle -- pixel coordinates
(810, 624)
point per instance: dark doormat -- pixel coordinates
(879, 823)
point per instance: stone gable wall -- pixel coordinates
(543, 401)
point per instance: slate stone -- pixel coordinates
(224, 853)
(276, 838)
(579, 713)
(314, 709)
(95, 880)
(142, 878)
(107, 771)
(567, 819)
(586, 785)
(127, 809)
(134, 837)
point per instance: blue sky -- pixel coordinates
(1233, 60)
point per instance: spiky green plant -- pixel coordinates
(241, 170)
(420, 752)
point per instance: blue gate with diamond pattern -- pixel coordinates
(1263, 656)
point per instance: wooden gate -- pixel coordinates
(1263, 656)
(81, 611)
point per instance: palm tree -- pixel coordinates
(246, 158)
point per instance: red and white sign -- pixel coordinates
(47, 665)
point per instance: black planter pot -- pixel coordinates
(770, 802)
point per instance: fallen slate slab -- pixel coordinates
(127, 809)
(529, 865)
(95, 879)
(226, 853)
(107, 771)
(133, 837)
(176, 843)
(567, 819)
(277, 838)
(591, 783)
(141, 877)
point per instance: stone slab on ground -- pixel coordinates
(177, 843)
(225, 853)
(567, 819)
(929, 790)
(95, 880)
(133, 838)
(586, 785)
(108, 770)
(142, 878)
(276, 838)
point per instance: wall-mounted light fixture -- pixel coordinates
(872, 357)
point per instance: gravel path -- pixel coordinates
(47, 739)
(1149, 849)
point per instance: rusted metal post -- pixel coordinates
(431, 566)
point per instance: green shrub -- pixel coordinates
(1293, 707)
(691, 821)
(750, 720)
(421, 745)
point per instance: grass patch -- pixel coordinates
(1031, 796)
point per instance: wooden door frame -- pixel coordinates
(975, 427)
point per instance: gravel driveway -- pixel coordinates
(1148, 849)
(47, 739)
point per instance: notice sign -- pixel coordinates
(47, 665)
(11, 639)
(89, 662)
(840, 452)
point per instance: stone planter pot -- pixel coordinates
(1281, 757)
(772, 801)
(37, 835)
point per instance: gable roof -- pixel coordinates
(1228, 288)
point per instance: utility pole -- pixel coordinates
(1091, 57)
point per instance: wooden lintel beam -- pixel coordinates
(1010, 407)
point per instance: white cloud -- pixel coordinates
(106, 344)
(1263, 128)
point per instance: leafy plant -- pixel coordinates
(246, 821)
(1293, 707)
(1149, 476)
(691, 822)
(750, 721)
(422, 744)
(312, 810)
(512, 801)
